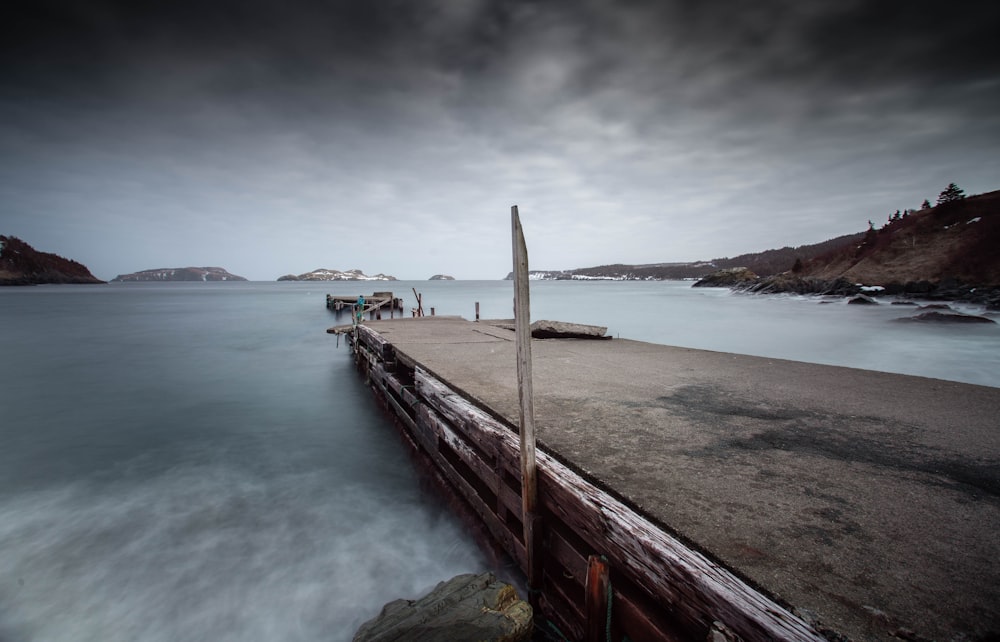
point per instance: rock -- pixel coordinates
(466, 607)
(861, 299)
(787, 282)
(946, 317)
(728, 278)
(562, 330)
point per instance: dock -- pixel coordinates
(373, 304)
(690, 495)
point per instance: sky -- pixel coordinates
(273, 138)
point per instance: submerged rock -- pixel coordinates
(946, 317)
(466, 607)
(862, 299)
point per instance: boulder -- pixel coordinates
(562, 330)
(861, 299)
(787, 282)
(728, 278)
(946, 317)
(466, 607)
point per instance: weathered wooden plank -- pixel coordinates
(493, 436)
(375, 341)
(643, 624)
(386, 381)
(526, 427)
(428, 421)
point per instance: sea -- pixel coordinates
(202, 461)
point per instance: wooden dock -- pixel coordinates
(372, 307)
(685, 494)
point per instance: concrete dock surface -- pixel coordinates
(865, 500)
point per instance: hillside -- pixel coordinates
(763, 263)
(947, 251)
(956, 241)
(178, 274)
(21, 264)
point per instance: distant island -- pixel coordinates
(441, 277)
(21, 264)
(944, 251)
(323, 274)
(178, 274)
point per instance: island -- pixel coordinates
(178, 274)
(324, 274)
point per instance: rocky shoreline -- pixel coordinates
(743, 280)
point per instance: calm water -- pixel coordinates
(201, 462)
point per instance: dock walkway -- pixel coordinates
(867, 503)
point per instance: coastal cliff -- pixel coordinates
(946, 251)
(942, 252)
(21, 264)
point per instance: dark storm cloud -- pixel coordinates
(637, 61)
(676, 120)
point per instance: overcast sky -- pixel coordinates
(393, 136)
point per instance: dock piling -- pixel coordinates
(522, 331)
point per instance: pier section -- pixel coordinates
(726, 495)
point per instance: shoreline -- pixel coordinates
(741, 280)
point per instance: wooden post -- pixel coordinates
(522, 331)
(477, 310)
(420, 303)
(596, 613)
(432, 311)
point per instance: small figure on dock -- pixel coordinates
(361, 307)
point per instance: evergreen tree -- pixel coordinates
(926, 205)
(950, 194)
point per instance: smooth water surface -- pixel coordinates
(199, 462)
(202, 462)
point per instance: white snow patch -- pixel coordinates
(974, 220)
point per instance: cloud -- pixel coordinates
(628, 132)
